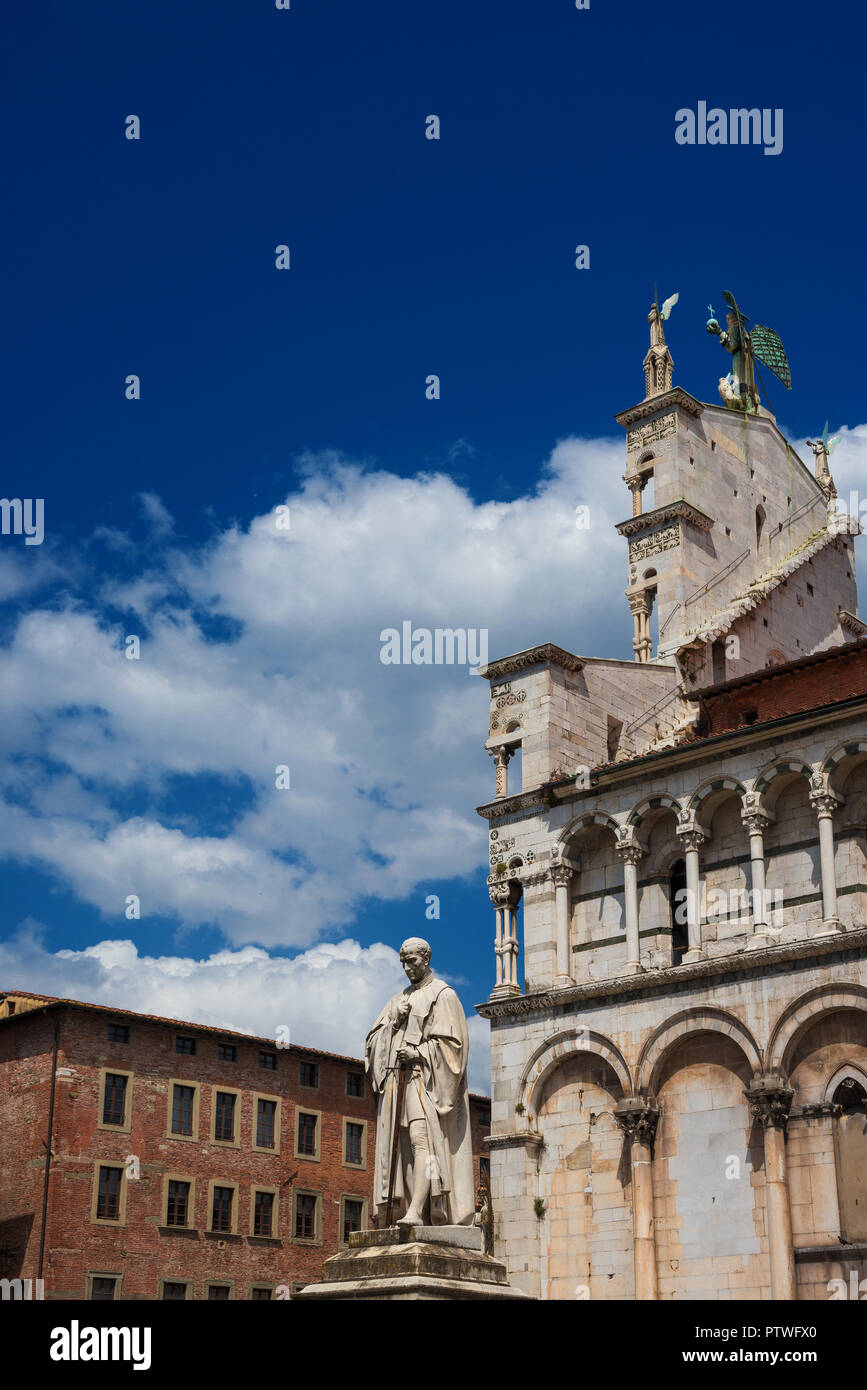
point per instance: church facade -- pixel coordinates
(679, 1054)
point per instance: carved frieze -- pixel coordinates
(649, 431)
(667, 538)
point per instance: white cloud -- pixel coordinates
(386, 763)
(327, 997)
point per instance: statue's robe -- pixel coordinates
(436, 1025)
(738, 344)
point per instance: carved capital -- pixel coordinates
(755, 820)
(628, 852)
(560, 875)
(770, 1100)
(638, 1117)
(499, 894)
(824, 802)
(690, 836)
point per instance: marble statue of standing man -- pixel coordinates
(424, 1030)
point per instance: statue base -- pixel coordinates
(413, 1262)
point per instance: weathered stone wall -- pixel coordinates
(708, 1182)
(693, 1043)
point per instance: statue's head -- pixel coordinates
(415, 954)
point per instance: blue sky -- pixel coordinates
(261, 387)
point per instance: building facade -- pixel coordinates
(186, 1162)
(679, 1062)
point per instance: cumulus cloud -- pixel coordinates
(327, 997)
(385, 762)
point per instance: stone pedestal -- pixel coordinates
(413, 1262)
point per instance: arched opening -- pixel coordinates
(645, 473)
(677, 900)
(792, 858)
(851, 1156)
(707, 1162)
(596, 910)
(584, 1181)
(761, 518)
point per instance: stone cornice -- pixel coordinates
(547, 652)
(508, 805)
(656, 404)
(851, 622)
(674, 510)
(514, 1141)
(656, 981)
(818, 1254)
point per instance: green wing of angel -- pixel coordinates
(768, 349)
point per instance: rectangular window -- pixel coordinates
(305, 1216)
(224, 1117)
(114, 1099)
(103, 1287)
(484, 1172)
(227, 1052)
(266, 1111)
(309, 1074)
(183, 1101)
(173, 1290)
(118, 1033)
(268, 1060)
(263, 1213)
(307, 1133)
(178, 1203)
(259, 1294)
(108, 1194)
(353, 1152)
(185, 1046)
(218, 1292)
(355, 1083)
(221, 1209)
(353, 1213)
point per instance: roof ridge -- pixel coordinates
(55, 999)
(763, 585)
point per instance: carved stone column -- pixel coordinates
(642, 644)
(636, 487)
(692, 838)
(629, 853)
(506, 898)
(638, 1117)
(755, 822)
(561, 875)
(501, 758)
(769, 1100)
(499, 895)
(824, 803)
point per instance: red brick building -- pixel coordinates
(186, 1161)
